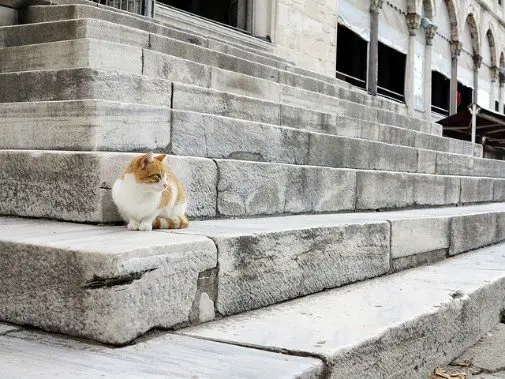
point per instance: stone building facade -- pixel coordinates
(462, 41)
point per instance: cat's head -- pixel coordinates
(151, 171)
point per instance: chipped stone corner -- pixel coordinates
(204, 303)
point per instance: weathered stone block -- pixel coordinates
(244, 85)
(175, 69)
(431, 142)
(84, 83)
(44, 32)
(335, 151)
(76, 186)
(436, 189)
(380, 190)
(72, 54)
(84, 125)
(471, 232)
(203, 100)
(203, 135)
(306, 119)
(416, 236)
(427, 161)
(111, 289)
(249, 188)
(395, 135)
(451, 164)
(297, 262)
(474, 190)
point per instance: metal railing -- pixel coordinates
(439, 110)
(391, 95)
(140, 7)
(351, 79)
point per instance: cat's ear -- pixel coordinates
(162, 158)
(146, 159)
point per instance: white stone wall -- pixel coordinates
(306, 33)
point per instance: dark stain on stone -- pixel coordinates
(100, 282)
(457, 295)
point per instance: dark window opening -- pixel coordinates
(351, 57)
(391, 73)
(229, 12)
(465, 96)
(496, 106)
(440, 93)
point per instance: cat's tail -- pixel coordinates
(170, 222)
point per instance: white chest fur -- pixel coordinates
(133, 200)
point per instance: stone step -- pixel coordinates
(75, 186)
(88, 53)
(212, 136)
(89, 125)
(400, 326)
(168, 356)
(286, 74)
(84, 83)
(98, 125)
(78, 53)
(112, 285)
(326, 116)
(45, 14)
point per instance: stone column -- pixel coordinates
(500, 94)
(428, 49)
(413, 23)
(373, 55)
(492, 95)
(477, 62)
(453, 94)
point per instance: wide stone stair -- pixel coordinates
(285, 171)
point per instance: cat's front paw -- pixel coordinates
(133, 225)
(146, 227)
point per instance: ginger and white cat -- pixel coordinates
(149, 196)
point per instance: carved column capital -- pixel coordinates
(376, 5)
(494, 73)
(430, 33)
(477, 62)
(413, 23)
(456, 48)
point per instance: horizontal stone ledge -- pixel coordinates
(76, 186)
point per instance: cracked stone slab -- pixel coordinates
(257, 269)
(102, 283)
(170, 356)
(299, 255)
(76, 186)
(6, 328)
(406, 323)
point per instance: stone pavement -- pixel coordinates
(484, 360)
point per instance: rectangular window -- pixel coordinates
(440, 89)
(351, 57)
(391, 73)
